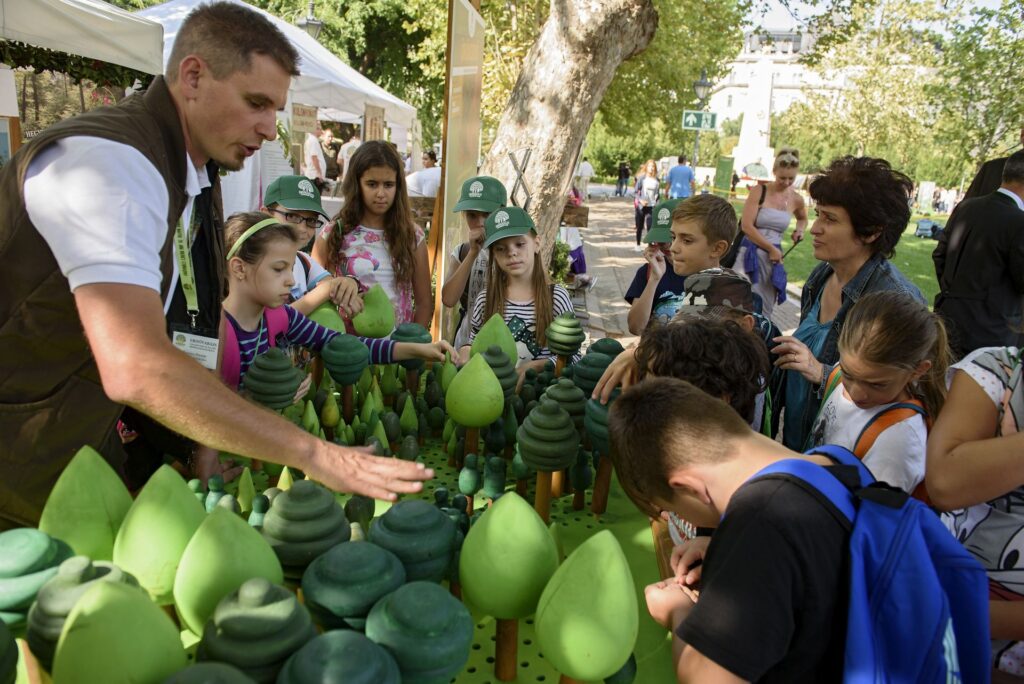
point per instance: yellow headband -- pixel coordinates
(248, 234)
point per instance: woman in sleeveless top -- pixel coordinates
(766, 214)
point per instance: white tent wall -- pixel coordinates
(90, 28)
(324, 82)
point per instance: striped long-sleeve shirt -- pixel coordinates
(302, 332)
(521, 321)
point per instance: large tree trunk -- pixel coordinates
(564, 77)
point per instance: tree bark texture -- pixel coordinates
(564, 77)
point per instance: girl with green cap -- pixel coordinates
(518, 288)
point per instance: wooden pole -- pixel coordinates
(506, 649)
(521, 487)
(579, 499)
(602, 483)
(542, 498)
(412, 382)
(472, 444)
(347, 404)
(560, 363)
(557, 484)
(317, 371)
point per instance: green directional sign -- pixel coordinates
(699, 121)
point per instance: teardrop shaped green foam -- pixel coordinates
(377, 319)
(475, 398)
(116, 635)
(222, 554)
(507, 559)
(87, 505)
(495, 332)
(156, 531)
(58, 597)
(584, 638)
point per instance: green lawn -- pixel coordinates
(913, 257)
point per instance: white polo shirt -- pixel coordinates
(101, 206)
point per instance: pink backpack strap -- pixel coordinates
(277, 323)
(231, 361)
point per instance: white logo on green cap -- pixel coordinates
(664, 215)
(476, 188)
(306, 189)
(501, 220)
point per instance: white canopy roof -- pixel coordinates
(90, 28)
(324, 80)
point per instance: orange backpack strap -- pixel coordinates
(883, 420)
(834, 379)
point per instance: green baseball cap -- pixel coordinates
(507, 222)
(482, 193)
(661, 221)
(296, 193)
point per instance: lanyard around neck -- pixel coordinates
(186, 270)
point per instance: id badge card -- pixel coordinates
(201, 344)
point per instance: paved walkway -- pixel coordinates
(608, 243)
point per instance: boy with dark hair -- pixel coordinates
(700, 230)
(773, 596)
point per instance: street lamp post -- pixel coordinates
(701, 88)
(310, 24)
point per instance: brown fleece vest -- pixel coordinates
(51, 400)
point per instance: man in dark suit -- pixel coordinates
(979, 262)
(990, 175)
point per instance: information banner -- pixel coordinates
(303, 120)
(373, 123)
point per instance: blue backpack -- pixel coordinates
(918, 600)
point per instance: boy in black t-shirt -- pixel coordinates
(771, 603)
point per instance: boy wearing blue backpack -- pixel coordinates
(812, 575)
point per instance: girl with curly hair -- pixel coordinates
(373, 238)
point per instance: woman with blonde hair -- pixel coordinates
(766, 215)
(646, 195)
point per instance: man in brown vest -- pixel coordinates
(111, 246)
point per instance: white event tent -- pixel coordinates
(90, 28)
(324, 81)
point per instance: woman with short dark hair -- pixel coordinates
(862, 212)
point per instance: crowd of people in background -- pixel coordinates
(113, 290)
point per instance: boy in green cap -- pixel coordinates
(295, 200)
(655, 279)
(467, 270)
(700, 230)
